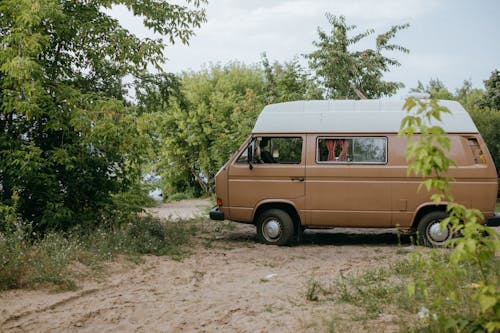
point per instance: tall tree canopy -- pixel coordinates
(203, 128)
(67, 139)
(288, 82)
(492, 96)
(347, 73)
(204, 116)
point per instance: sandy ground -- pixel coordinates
(230, 283)
(184, 209)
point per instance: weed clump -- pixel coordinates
(28, 260)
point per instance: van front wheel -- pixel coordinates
(275, 227)
(429, 230)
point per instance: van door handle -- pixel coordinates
(300, 179)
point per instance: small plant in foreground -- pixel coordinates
(315, 291)
(475, 248)
(454, 289)
(371, 291)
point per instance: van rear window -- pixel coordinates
(477, 152)
(362, 150)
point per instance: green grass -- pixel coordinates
(424, 282)
(371, 291)
(497, 207)
(180, 196)
(315, 291)
(28, 263)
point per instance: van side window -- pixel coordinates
(477, 152)
(282, 150)
(352, 150)
(243, 157)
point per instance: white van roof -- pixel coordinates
(351, 116)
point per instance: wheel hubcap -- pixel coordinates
(436, 234)
(272, 228)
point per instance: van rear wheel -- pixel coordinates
(275, 227)
(429, 230)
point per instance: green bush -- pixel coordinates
(442, 295)
(477, 245)
(26, 261)
(13, 253)
(449, 293)
(146, 235)
(151, 236)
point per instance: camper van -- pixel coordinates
(325, 164)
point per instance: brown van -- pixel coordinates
(324, 164)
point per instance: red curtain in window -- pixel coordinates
(345, 148)
(330, 145)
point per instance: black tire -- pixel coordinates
(299, 235)
(275, 227)
(428, 232)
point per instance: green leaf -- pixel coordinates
(411, 289)
(486, 301)
(492, 326)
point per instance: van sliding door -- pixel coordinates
(348, 182)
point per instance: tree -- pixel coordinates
(288, 82)
(492, 96)
(202, 123)
(68, 141)
(153, 91)
(201, 132)
(436, 89)
(354, 74)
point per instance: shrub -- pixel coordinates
(474, 249)
(28, 261)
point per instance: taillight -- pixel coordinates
(219, 202)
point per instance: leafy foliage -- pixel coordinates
(204, 116)
(476, 246)
(492, 95)
(405, 289)
(428, 153)
(288, 82)
(436, 89)
(68, 141)
(479, 106)
(349, 74)
(200, 132)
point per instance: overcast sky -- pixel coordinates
(449, 40)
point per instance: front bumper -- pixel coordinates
(493, 221)
(216, 214)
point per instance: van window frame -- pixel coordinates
(271, 136)
(351, 162)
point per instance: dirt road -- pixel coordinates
(229, 284)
